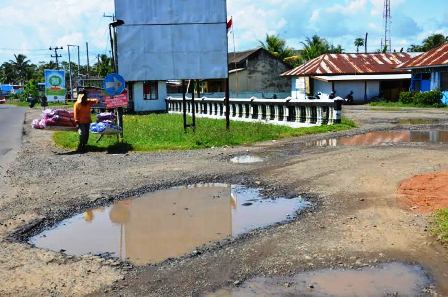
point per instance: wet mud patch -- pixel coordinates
(425, 193)
(391, 279)
(436, 136)
(169, 223)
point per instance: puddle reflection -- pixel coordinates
(384, 138)
(246, 159)
(393, 279)
(168, 223)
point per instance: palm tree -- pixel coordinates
(21, 67)
(8, 73)
(277, 47)
(430, 42)
(434, 41)
(359, 42)
(103, 66)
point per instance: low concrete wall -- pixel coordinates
(289, 112)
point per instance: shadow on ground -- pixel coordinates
(118, 148)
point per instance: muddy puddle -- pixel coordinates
(392, 279)
(169, 223)
(385, 138)
(246, 159)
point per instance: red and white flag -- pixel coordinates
(229, 24)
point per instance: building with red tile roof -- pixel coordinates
(429, 70)
(365, 75)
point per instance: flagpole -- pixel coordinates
(234, 58)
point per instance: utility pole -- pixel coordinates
(79, 65)
(56, 56)
(98, 64)
(70, 73)
(88, 62)
(365, 43)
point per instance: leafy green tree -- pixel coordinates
(358, 42)
(315, 46)
(39, 72)
(430, 42)
(103, 66)
(22, 68)
(277, 47)
(336, 49)
(31, 90)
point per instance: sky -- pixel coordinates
(30, 27)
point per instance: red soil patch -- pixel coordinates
(425, 193)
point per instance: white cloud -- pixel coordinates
(378, 6)
(30, 24)
(350, 7)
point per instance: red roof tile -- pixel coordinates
(336, 64)
(435, 57)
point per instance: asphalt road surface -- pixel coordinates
(11, 123)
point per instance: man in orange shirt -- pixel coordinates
(81, 111)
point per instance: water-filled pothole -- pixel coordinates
(169, 223)
(392, 279)
(386, 137)
(246, 159)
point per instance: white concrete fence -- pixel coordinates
(288, 111)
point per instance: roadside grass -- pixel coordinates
(387, 105)
(157, 132)
(440, 225)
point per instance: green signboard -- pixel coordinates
(55, 85)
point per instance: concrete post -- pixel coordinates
(337, 111)
(319, 115)
(308, 115)
(260, 111)
(285, 113)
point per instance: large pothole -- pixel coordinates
(392, 279)
(385, 138)
(168, 224)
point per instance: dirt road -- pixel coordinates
(356, 222)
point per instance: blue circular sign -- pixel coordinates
(114, 84)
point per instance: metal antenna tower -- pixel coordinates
(387, 27)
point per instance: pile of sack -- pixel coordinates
(105, 124)
(55, 119)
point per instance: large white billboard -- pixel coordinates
(172, 39)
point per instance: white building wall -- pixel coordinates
(141, 105)
(298, 88)
(343, 88)
(322, 86)
(373, 89)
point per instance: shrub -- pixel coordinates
(431, 98)
(406, 97)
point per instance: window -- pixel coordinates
(421, 82)
(150, 90)
(444, 81)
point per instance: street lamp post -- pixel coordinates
(113, 46)
(79, 65)
(113, 42)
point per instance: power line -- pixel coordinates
(23, 49)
